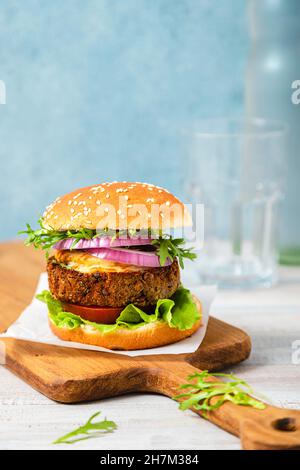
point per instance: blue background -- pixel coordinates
(91, 85)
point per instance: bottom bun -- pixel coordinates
(152, 335)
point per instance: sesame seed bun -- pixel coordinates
(153, 335)
(117, 206)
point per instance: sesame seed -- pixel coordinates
(90, 197)
(106, 209)
(107, 195)
(126, 197)
(77, 195)
(70, 202)
(160, 190)
(72, 210)
(98, 202)
(75, 203)
(122, 216)
(168, 203)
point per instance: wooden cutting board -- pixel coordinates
(73, 375)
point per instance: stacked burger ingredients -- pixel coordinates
(114, 267)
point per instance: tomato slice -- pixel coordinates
(106, 315)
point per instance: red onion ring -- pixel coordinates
(100, 242)
(135, 257)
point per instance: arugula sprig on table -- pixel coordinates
(89, 430)
(166, 246)
(203, 390)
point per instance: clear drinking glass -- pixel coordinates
(236, 169)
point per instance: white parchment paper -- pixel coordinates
(32, 325)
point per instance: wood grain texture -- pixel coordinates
(72, 375)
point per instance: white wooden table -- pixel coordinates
(271, 317)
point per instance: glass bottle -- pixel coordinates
(271, 92)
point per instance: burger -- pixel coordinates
(113, 265)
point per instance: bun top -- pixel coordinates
(117, 206)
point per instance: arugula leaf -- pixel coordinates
(203, 390)
(45, 239)
(179, 312)
(166, 246)
(89, 430)
(169, 247)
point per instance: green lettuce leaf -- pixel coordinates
(180, 311)
(184, 312)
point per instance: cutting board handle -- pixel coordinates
(269, 429)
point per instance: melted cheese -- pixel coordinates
(81, 261)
